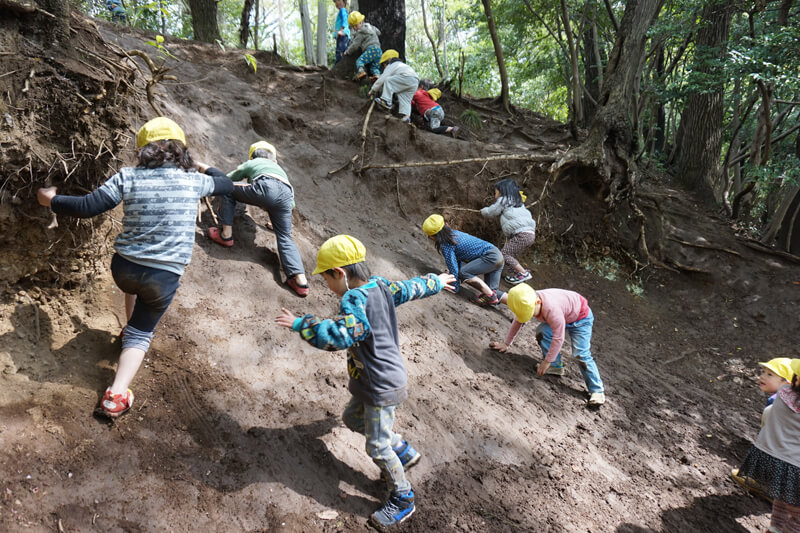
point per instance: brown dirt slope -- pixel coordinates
(236, 422)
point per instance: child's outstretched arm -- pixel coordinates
(512, 333)
(350, 327)
(419, 287)
(494, 210)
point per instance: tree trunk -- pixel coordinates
(256, 23)
(443, 38)
(389, 16)
(322, 33)
(282, 29)
(593, 72)
(204, 20)
(244, 23)
(308, 37)
(430, 38)
(577, 92)
(498, 51)
(699, 142)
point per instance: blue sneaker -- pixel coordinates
(407, 454)
(395, 511)
(383, 104)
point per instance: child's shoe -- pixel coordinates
(407, 120)
(482, 299)
(454, 132)
(301, 290)
(361, 74)
(114, 405)
(373, 78)
(382, 104)
(597, 399)
(216, 235)
(407, 454)
(555, 370)
(395, 511)
(517, 277)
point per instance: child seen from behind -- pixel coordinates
(517, 224)
(159, 198)
(364, 37)
(367, 328)
(397, 79)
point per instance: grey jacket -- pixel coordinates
(365, 37)
(513, 220)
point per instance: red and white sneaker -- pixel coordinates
(114, 405)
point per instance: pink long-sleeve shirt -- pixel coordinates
(559, 308)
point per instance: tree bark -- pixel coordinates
(244, 23)
(322, 33)
(204, 20)
(593, 72)
(389, 16)
(282, 29)
(430, 38)
(577, 92)
(308, 37)
(443, 38)
(498, 51)
(696, 162)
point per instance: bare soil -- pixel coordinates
(236, 422)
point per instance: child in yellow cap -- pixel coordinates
(775, 373)
(160, 197)
(367, 328)
(774, 460)
(467, 258)
(364, 37)
(265, 184)
(559, 311)
(397, 79)
(425, 103)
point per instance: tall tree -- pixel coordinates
(696, 160)
(611, 142)
(308, 37)
(322, 32)
(577, 93)
(204, 20)
(389, 16)
(498, 51)
(244, 23)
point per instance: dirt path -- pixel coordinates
(236, 423)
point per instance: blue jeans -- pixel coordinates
(490, 264)
(276, 198)
(154, 289)
(580, 336)
(342, 42)
(376, 423)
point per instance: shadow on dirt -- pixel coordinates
(716, 513)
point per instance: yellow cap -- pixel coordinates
(159, 129)
(781, 366)
(433, 225)
(339, 251)
(795, 367)
(388, 54)
(522, 300)
(435, 94)
(262, 145)
(355, 18)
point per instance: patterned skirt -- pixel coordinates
(779, 479)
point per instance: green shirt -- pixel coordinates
(260, 166)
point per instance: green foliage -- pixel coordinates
(471, 119)
(162, 50)
(250, 60)
(363, 91)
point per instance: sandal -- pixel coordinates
(301, 290)
(216, 235)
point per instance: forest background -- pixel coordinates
(713, 99)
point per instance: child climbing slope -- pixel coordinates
(364, 37)
(467, 257)
(367, 328)
(159, 198)
(517, 224)
(397, 79)
(560, 312)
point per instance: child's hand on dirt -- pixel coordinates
(448, 280)
(45, 195)
(286, 319)
(499, 346)
(202, 167)
(543, 366)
